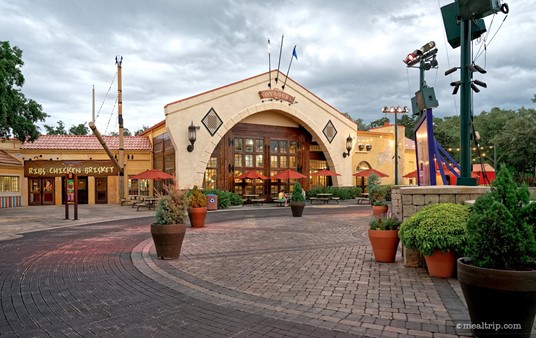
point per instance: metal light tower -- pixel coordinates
(396, 111)
(468, 16)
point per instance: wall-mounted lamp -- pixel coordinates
(369, 147)
(192, 136)
(348, 146)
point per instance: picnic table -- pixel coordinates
(148, 202)
(324, 197)
(363, 198)
(252, 199)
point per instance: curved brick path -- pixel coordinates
(250, 272)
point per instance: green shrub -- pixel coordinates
(344, 193)
(501, 227)
(297, 193)
(388, 223)
(197, 198)
(377, 192)
(436, 227)
(172, 207)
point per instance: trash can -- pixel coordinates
(212, 202)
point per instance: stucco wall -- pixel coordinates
(240, 101)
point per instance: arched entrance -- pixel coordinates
(360, 181)
(262, 148)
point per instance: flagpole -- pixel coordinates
(269, 65)
(290, 64)
(279, 62)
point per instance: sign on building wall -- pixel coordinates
(61, 168)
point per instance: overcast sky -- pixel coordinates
(349, 53)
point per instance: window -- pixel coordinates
(9, 184)
(211, 174)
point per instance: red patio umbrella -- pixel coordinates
(412, 174)
(251, 174)
(368, 172)
(287, 174)
(325, 172)
(153, 174)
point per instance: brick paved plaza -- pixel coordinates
(254, 271)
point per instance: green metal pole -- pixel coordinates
(465, 105)
(396, 150)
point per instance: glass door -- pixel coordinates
(101, 191)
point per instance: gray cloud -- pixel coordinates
(349, 53)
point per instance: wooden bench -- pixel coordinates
(363, 200)
(257, 201)
(323, 199)
(279, 203)
(143, 205)
(335, 198)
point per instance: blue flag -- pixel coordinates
(294, 53)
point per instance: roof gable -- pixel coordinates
(5, 158)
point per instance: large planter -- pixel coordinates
(500, 298)
(441, 264)
(168, 239)
(197, 217)
(384, 244)
(379, 210)
(297, 208)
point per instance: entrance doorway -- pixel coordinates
(101, 191)
(41, 191)
(83, 195)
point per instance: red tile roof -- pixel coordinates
(87, 142)
(5, 158)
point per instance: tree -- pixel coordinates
(378, 123)
(126, 132)
(80, 129)
(139, 131)
(409, 121)
(58, 130)
(18, 115)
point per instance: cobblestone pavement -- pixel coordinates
(249, 272)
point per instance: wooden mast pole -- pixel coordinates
(121, 129)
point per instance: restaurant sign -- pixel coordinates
(61, 168)
(276, 94)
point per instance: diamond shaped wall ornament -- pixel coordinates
(212, 121)
(329, 131)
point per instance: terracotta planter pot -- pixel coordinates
(197, 217)
(297, 208)
(384, 244)
(168, 239)
(379, 210)
(498, 297)
(441, 264)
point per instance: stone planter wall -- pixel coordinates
(407, 200)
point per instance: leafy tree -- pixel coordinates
(409, 121)
(126, 132)
(378, 123)
(80, 129)
(18, 115)
(139, 131)
(58, 130)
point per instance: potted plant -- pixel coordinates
(377, 194)
(169, 229)
(297, 200)
(438, 232)
(498, 276)
(197, 208)
(383, 236)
